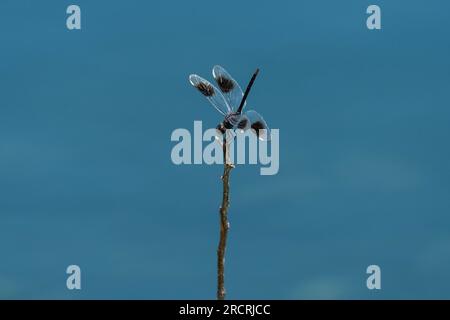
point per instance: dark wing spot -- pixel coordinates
(225, 84)
(256, 126)
(242, 124)
(205, 88)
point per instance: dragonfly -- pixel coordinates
(230, 100)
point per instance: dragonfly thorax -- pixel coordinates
(229, 122)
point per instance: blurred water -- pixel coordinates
(85, 170)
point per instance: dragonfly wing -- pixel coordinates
(242, 123)
(228, 86)
(214, 95)
(258, 125)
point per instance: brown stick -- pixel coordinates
(224, 224)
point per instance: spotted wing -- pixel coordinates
(254, 121)
(214, 95)
(228, 86)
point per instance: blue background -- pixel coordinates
(86, 176)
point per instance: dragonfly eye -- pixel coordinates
(220, 128)
(205, 88)
(225, 84)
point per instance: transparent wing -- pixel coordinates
(243, 123)
(228, 86)
(238, 121)
(256, 122)
(211, 93)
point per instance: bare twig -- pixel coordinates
(224, 224)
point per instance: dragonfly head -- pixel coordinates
(221, 128)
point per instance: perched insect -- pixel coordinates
(229, 100)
